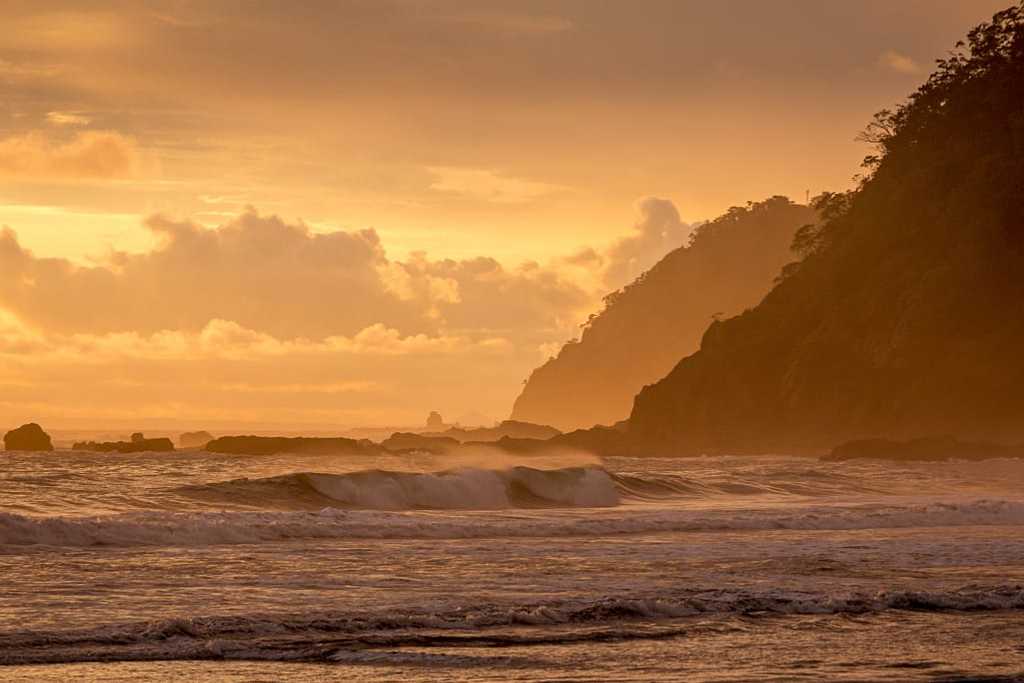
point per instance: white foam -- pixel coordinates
(471, 489)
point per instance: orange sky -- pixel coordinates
(456, 185)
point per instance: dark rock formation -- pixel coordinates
(648, 326)
(603, 441)
(27, 437)
(923, 449)
(138, 444)
(268, 445)
(509, 428)
(194, 439)
(403, 442)
(435, 421)
(906, 314)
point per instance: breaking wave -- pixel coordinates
(237, 527)
(461, 489)
(369, 637)
(656, 486)
(470, 488)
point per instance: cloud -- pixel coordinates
(226, 372)
(63, 118)
(86, 155)
(658, 232)
(586, 257)
(489, 186)
(16, 338)
(514, 22)
(307, 388)
(18, 72)
(222, 340)
(283, 279)
(898, 62)
(268, 276)
(329, 326)
(188, 16)
(76, 29)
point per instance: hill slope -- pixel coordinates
(906, 316)
(649, 325)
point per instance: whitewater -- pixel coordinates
(561, 567)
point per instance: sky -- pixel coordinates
(330, 214)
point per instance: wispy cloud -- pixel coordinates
(514, 22)
(224, 340)
(17, 72)
(87, 155)
(64, 118)
(899, 62)
(489, 186)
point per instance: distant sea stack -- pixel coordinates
(646, 327)
(906, 314)
(138, 444)
(28, 437)
(403, 442)
(513, 429)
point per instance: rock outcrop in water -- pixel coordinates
(601, 441)
(514, 429)
(402, 442)
(933, 448)
(194, 439)
(28, 437)
(649, 325)
(906, 314)
(269, 445)
(138, 444)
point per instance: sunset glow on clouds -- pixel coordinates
(417, 201)
(90, 154)
(303, 309)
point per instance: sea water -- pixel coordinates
(239, 568)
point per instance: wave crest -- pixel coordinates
(368, 636)
(460, 489)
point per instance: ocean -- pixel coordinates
(153, 567)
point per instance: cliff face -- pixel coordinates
(649, 325)
(906, 316)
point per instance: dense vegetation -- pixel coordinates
(649, 325)
(905, 316)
